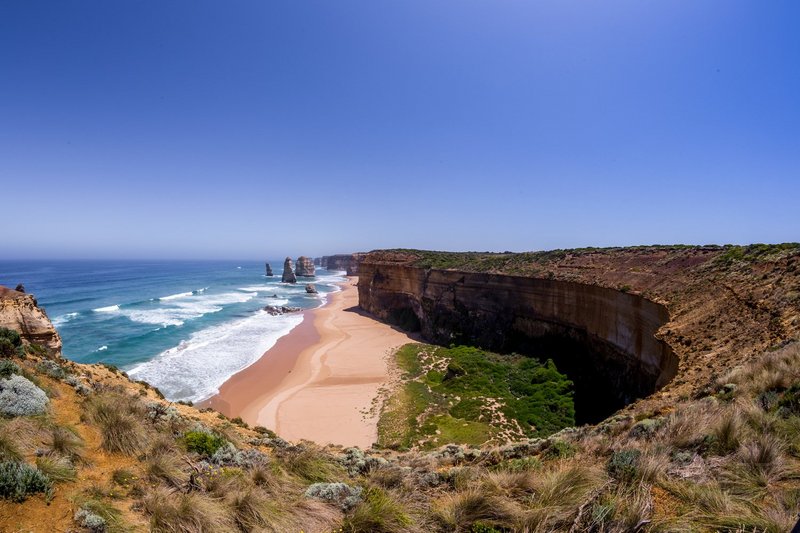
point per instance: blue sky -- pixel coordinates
(249, 129)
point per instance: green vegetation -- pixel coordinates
(10, 343)
(204, 443)
(469, 396)
(756, 252)
(19, 480)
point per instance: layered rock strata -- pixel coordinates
(288, 272)
(20, 312)
(304, 267)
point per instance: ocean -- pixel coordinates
(182, 326)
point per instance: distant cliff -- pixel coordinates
(19, 311)
(346, 262)
(621, 322)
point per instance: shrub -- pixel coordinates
(310, 464)
(52, 369)
(90, 521)
(624, 464)
(10, 343)
(18, 480)
(8, 368)
(340, 494)
(204, 443)
(20, 397)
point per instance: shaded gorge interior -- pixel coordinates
(603, 339)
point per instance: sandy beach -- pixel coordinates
(319, 381)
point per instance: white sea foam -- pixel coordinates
(63, 319)
(102, 348)
(195, 368)
(179, 308)
(176, 296)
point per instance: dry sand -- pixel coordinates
(319, 381)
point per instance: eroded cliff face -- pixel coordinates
(304, 267)
(604, 339)
(346, 262)
(621, 323)
(20, 312)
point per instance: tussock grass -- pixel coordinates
(380, 512)
(194, 512)
(311, 464)
(65, 441)
(460, 511)
(119, 418)
(58, 469)
(9, 448)
(252, 509)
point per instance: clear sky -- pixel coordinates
(250, 129)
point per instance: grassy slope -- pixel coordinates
(465, 395)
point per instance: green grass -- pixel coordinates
(461, 395)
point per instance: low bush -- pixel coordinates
(204, 443)
(19, 480)
(8, 368)
(340, 494)
(10, 343)
(624, 464)
(20, 397)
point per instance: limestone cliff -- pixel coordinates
(304, 267)
(621, 322)
(20, 312)
(288, 272)
(346, 262)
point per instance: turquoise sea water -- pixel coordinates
(183, 326)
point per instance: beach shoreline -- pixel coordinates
(320, 381)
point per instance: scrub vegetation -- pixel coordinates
(465, 395)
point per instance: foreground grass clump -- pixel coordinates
(120, 420)
(469, 396)
(19, 480)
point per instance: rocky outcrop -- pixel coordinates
(288, 272)
(275, 310)
(311, 289)
(20, 312)
(317, 261)
(268, 269)
(343, 262)
(622, 323)
(304, 267)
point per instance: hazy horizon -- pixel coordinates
(199, 131)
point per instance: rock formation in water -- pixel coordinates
(288, 272)
(346, 262)
(19, 311)
(311, 289)
(275, 310)
(304, 267)
(269, 269)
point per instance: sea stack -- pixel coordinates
(305, 267)
(269, 269)
(288, 273)
(311, 289)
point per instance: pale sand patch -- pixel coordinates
(319, 381)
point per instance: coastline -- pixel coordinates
(320, 381)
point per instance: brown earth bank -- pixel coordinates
(629, 321)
